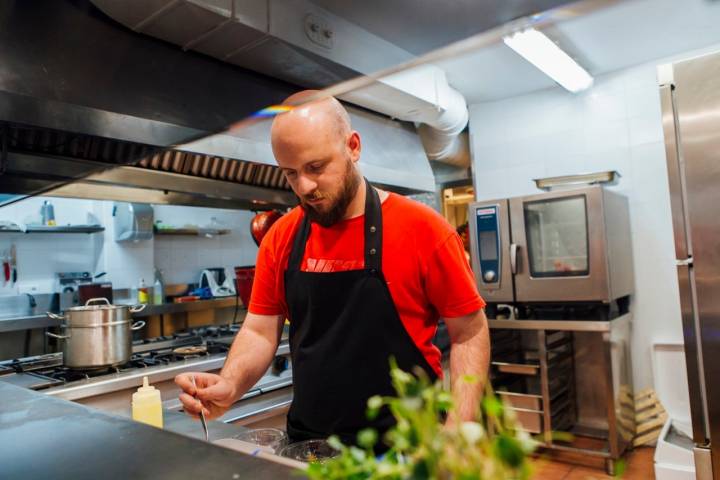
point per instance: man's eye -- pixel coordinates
(290, 174)
(315, 168)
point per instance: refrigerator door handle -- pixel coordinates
(513, 258)
(685, 262)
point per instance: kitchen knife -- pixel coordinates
(13, 264)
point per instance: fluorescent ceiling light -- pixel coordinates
(539, 50)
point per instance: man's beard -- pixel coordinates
(336, 211)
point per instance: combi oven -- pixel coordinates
(569, 247)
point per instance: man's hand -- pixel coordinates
(214, 394)
(250, 355)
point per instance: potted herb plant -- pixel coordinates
(422, 446)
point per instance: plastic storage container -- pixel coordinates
(674, 458)
(244, 277)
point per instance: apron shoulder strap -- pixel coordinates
(373, 229)
(298, 248)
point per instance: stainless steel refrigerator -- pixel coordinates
(690, 95)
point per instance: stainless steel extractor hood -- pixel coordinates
(82, 98)
(303, 43)
(320, 43)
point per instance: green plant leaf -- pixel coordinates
(367, 438)
(358, 455)
(334, 442)
(374, 404)
(620, 467)
(492, 406)
(472, 432)
(420, 471)
(509, 450)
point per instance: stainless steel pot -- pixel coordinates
(97, 335)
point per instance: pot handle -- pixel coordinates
(138, 308)
(96, 300)
(55, 316)
(55, 335)
(138, 325)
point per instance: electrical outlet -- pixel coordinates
(319, 30)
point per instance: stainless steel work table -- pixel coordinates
(182, 423)
(46, 437)
(602, 381)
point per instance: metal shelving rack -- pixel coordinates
(55, 229)
(570, 376)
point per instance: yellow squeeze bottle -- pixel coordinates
(147, 405)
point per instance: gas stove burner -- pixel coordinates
(65, 374)
(191, 350)
(152, 352)
(92, 371)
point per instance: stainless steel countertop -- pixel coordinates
(133, 378)
(46, 437)
(185, 425)
(563, 325)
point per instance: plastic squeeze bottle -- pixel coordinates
(147, 405)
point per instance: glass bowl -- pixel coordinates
(309, 451)
(264, 437)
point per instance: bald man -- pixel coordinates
(363, 275)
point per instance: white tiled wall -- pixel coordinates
(181, 259)
(41, 256)
(125, 262)
(616, 125)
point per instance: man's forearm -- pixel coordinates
(469, 356)
(249, 357)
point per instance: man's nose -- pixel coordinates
(305, 185)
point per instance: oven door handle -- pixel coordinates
(513, 257)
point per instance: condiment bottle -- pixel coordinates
(147, 405)
(143, 294)
(158, 289)
(47, 212)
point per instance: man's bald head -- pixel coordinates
(317, 150)
(312, 113)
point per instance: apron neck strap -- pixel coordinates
(298, 248)
(373, 233)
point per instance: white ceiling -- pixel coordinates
(630, 33)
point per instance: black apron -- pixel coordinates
(344, 327)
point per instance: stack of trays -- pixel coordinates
(518, 376)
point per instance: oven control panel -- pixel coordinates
(488, 242)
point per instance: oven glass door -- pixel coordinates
(557, 240)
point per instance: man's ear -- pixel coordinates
(354, 146)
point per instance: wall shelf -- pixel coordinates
(55, 229)
(196, 232)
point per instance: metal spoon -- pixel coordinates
(202, 413)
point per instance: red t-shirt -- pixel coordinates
(423, 261)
